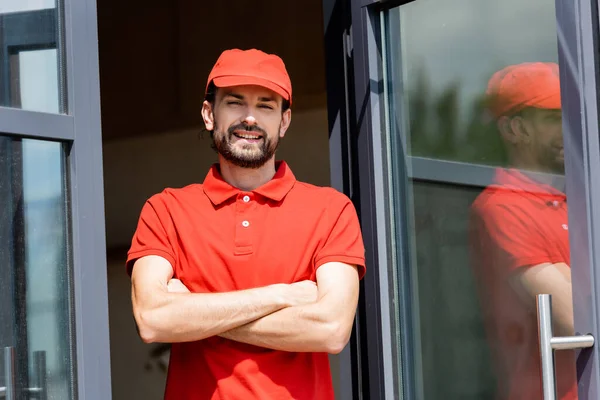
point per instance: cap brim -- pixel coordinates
(551, 102)
(238, 80)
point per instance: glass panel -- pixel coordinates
(31, 55)
(476, 166)
(448, 58)
(11, 6)
(35, 283)
(37, 76)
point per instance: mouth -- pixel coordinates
(248, 136)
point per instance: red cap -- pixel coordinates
(251, 67)
(524, 85)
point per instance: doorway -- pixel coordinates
(154, 59)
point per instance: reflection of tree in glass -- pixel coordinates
(437, 130)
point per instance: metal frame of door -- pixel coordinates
(356, 120)
(79, 131)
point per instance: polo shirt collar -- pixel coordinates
(219, 191)
(526, 182)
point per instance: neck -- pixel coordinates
(246, 179)
(538, 173)
(524, 161)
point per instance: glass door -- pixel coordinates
(475, 130)
(475, 112)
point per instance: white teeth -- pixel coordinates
(248, 136)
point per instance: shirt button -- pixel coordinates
(245, 224)
(246, 199)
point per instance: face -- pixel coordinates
(537, 136)
(247, 124)
(545, 128)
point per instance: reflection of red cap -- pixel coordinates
(524, 85)
(251, 67)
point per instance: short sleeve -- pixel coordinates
(152, 234)
(507, 237)
(344, 241)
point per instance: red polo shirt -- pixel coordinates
(518, 223)
(219, 238)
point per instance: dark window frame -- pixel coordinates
(72, 29)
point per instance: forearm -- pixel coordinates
(295, 329)
(562, 313)
(184, 317)
(546, 278)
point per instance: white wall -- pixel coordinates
(136, 168)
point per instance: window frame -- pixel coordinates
(79, 129)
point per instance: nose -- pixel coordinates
(250, 120)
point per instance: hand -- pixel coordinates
(302, 293)
(176, 286)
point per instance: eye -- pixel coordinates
(266, 106)
(234, 103)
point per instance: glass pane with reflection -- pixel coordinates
(31, 61)
(35, 283)
(477, 163)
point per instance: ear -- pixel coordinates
(519, 128)
(512, 129)
(505, 129)
(286, 119)
(208, 116)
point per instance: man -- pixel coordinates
(520, 232)
(252, 275)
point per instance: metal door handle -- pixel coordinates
(8, 391)
(549, 343)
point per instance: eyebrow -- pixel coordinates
(235, 95)
(240, 97)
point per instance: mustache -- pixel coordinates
(247, 128)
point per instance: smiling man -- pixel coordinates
(252, 275)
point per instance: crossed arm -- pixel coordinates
(554, 279)
(300, 317)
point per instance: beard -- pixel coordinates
(558, 167)
(253, 155)
(552, 160)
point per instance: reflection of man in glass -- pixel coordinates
(520, 232)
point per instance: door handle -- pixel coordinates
(8, 391)
(549, 343)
